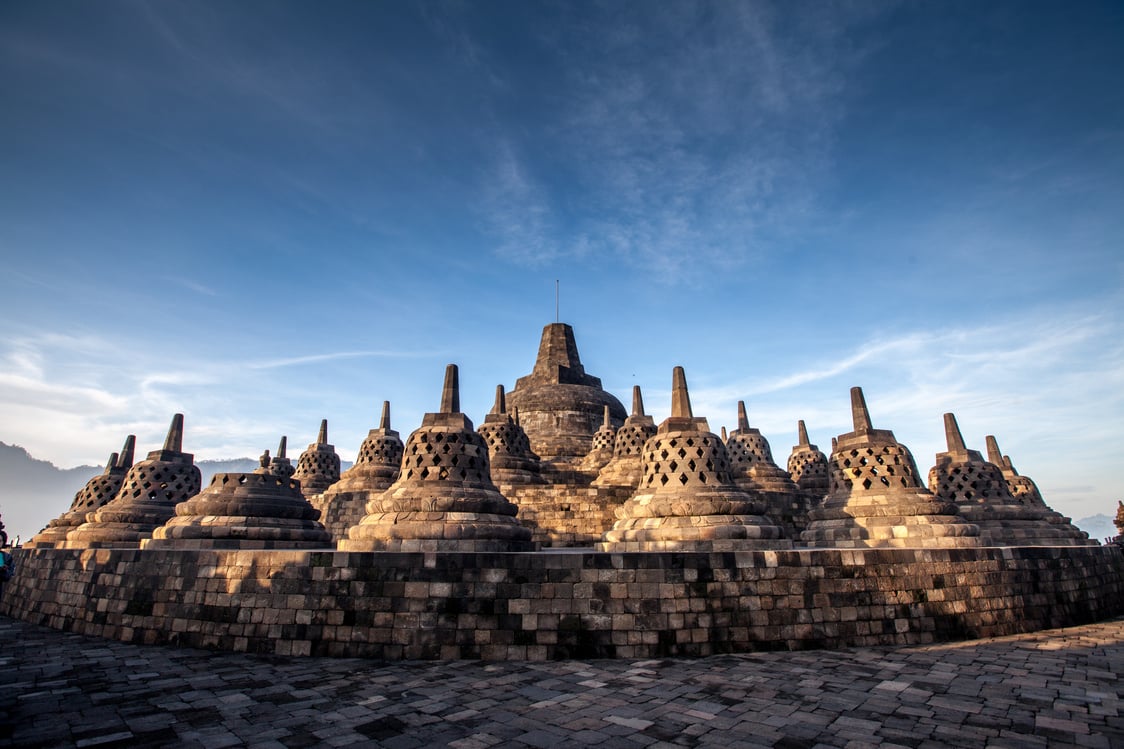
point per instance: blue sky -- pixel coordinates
(264, 214)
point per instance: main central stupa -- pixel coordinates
(560, 406)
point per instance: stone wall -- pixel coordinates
(560, 604)
(567, 515)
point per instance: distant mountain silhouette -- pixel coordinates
(1098, 526)
(33, 492)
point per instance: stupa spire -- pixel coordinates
(680, 398)
(953, 438)
(500, 406)
(637, 401)
(802, 432)
(859, 413)
(743, 419)
(451, 391)
(112, 462)
(607, 421)
(282, 447)
(174, 440)
(322, 436)
(993, 455)
(384, 420)
(125, 462)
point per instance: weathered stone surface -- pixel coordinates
(147, 498)
(687, 499)
(876, 498)
(604, 439)
(344, 503)
(753, 469)
(444, 498)
(626, 468)
(509, 451)
(1026, 491)
(983, 499)
(259, 510)
(98, 491)
(318, 467)
(560, 406)
(808, 466)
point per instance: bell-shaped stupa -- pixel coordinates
(280, 465)
(561, 406)
(687, 499)
(344, 503)
(259, 510)
(604, 440)
(753, 469)
(444, 498)
(147, 499)
(509, 450)
(626, 468)
(876, 498)
(983, 498)
(1026, 491)
(98, 491)
(808, 467)
(318, 467)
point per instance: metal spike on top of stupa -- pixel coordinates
(444, 498)
(97, 492)
(626, 468)
(604, 440)
(510, 457)
(560, 405)
(1026, 491)
(318, 467)
(876, 498)
(146, 500)
(344, 503)
(687, 499)
(259, 510)
(808, 465)
(751, 463)
(980, 492)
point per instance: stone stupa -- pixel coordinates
(808, 466)
(560, 406)
(260, 510)
(876, 498)
(626, 468)
(444, 498)
(1026, 491)
(753, 469)
(318, 467)
(280, 465)
(147, 498)
(604, 440)
(687, 500)
(509, 450)
(98, 491)
(344, 503)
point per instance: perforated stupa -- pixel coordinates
(344, 503)
(509, 451)
(687, 499)
(983, 499)
(444, 498)
(318, 467)
(601, 452)
(147, 499)
(808, 467)
(626, 467)
(876, 497)
(1026, 491)
(753, 469)
(98, 491)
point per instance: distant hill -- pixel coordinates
(1098, 527)
(33, 492)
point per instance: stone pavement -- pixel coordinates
(1058, 687)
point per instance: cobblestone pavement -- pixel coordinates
(1058, 687)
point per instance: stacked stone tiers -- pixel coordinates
(259, 510)
(626, 467)
(876, 499)
(344, 503)
(510, 458)
(444, 498)
(687, 499)
(147, 498)
(98, 491)
(318, 467)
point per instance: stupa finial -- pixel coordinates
(859, 413)
(126, 459)
(515, 415)
(384, 422)
(500, 406)
(451, 392)
(174, 440)
(802, 431)
(322, 437)
(953, 438)
(724, 438)
(607, 422)
(680, 398)
(993, 455)
(637, 401)
(112, 462)
(743, 419)
(281, 447)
